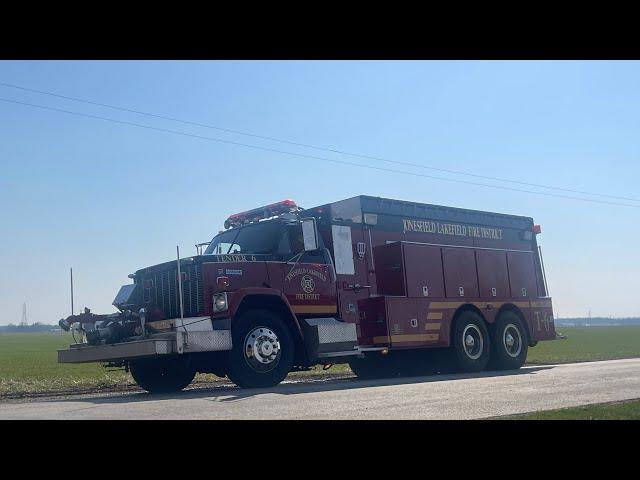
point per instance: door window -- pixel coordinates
(292, 243)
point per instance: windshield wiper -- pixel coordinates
(297, 256)
(233, 242)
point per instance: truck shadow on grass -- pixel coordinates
(231, 393)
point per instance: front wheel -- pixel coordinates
(510, 342)
(162, 375)
(263, 350)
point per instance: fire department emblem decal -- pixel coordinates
(307, 284)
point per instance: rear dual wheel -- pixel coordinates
(476, 349)
(471, 342)
(510, 342)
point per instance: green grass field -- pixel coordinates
(28, 361)
(603, 411)
(588, 344)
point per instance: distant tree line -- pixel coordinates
(34, 327)
(578, 321)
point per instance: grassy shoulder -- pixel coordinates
(604, 411)
(586, 344)
(28, 361)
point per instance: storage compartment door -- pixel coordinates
(402, 322)
(423, 267)
(522, 275)
(460, 275)
(389, 269)
(492, 274)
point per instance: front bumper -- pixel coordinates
(160, 344)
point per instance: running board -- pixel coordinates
(339, 354)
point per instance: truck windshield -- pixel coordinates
(258, 238)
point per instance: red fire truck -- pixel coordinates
(368, 281)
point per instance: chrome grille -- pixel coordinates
(163, 292)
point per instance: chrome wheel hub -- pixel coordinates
(512, 340)
(509, 340)
(472, 341)
(262, 349)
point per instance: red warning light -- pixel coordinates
(261, 213)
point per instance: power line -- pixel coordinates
(316, 147)
(314, 157)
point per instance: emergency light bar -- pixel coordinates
(261, 213)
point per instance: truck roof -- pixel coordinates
(388, 206)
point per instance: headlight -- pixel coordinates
(220, 302)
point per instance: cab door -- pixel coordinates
(309, 287)
(307, 277)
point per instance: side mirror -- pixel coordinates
(310, 234)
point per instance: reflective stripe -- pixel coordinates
(419, 337)
(314, 308)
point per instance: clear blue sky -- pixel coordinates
(108, 199)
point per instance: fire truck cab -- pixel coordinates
(367, 281)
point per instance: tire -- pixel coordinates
(164, 375)
(510, 342)
(263, 350)
(371, 367)
(471, 342)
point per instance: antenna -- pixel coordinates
(180, 283)
(71, 271)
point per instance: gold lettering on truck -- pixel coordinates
(454, 229)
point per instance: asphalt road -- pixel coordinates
(460, 396)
